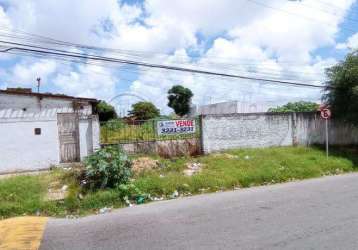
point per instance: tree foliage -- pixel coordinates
(300, 106)
(342, 89)
(105, 111)
(179, 99)
(144, 111)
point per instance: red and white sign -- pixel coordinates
(326, 113)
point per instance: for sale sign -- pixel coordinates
(176, 127)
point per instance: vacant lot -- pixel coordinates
(176, 177)
(117, 131)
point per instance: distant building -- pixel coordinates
(38, 130)
(231, 107)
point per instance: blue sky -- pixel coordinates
(275, 39)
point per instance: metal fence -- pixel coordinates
(130, 131)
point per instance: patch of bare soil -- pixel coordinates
(144, 163)
(226, 155)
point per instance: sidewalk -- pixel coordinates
(22, 233)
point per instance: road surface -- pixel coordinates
(313, 214)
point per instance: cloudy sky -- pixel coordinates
(275, 39)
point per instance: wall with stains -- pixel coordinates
(221, 132)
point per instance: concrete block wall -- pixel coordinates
(221, 132)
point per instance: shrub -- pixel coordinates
(107, 168)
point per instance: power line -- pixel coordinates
(294, 14)
(150, 65)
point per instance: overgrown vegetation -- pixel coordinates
(106, 168)
(233, 169)
(342, 89)
(116, 131)
(120, 131)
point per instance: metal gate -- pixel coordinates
(68, 132)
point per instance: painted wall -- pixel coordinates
(220, 132)
(21, 149)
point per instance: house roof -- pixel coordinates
(26, 92)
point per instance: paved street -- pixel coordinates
(314, 214)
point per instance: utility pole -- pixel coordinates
(38, 84)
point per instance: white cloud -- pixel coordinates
(86, 81)
(351, 43)
(27, 71)
(231, 36)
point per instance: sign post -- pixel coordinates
(326, 114)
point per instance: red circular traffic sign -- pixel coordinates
(326, 113)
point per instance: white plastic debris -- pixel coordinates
(64, 188)
(105, 210)
(192, 168)
(174, 195)
(71, 217)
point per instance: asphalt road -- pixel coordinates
(313, 214)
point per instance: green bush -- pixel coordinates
(107, 168)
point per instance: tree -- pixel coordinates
(144, 111)
(300, 106)
(105, 111)
(180, 99)
(342, 89)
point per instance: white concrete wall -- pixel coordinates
(89, 135)
(96, 132)
(222, 132)
(21, 149)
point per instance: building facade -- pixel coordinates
(40, 130)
